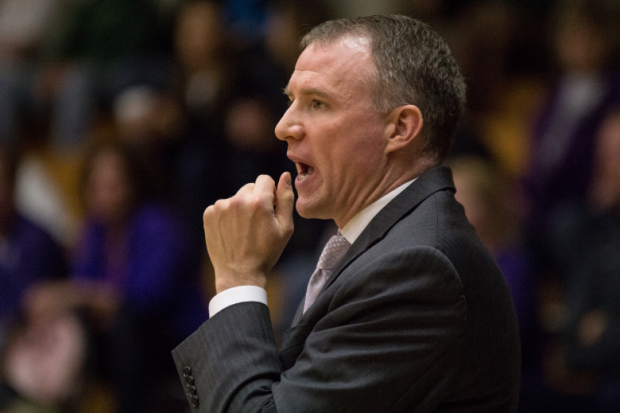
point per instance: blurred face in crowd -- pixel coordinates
(467, 194)
(334, 135)
(608, 150)
(481, 189)
(281, 34)
(581, 47)
(108, 192)
(607, 175)
(198, 35)
(249, 125)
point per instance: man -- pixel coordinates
(415, 317)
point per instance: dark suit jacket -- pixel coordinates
(415, 318)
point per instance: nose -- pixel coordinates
(290, 126)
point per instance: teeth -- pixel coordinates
(303, 175)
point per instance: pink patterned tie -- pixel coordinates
(333, 252)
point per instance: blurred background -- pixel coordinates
(121, 120)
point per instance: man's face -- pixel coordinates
(334, 136)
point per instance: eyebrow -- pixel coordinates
(307, 92)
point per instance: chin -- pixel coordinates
(303, 212)
(309, 211)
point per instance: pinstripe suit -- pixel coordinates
(415, 318)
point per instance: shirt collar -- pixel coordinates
(360, 221)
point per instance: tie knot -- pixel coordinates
(334, 250)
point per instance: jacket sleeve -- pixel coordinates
(379, 339)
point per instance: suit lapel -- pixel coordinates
(299, 312)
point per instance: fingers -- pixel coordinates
(246, 234)
(246, 189)
(266, 187)
(285, 201)
(261, 192)
(264, 193)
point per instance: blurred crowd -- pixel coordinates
(121, 120)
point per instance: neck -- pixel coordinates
(391, 180)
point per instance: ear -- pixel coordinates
(405, 125)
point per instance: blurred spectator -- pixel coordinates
(205, 59)
(562, 144)
(585, 356)
(191, 148)
(581, 361)
(131, 277)
(27, 253)
(491, 207)
(483, 31)
(44, 365)
(24, 27)
(269, 64)
(186, 161)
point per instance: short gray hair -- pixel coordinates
(413, 66)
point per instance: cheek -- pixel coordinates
(358, 167)
(351, 147)
(366, 153)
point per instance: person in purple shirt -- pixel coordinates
(131, 278)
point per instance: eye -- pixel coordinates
(317, 104)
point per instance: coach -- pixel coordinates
(406, 312)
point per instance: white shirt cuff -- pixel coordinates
(242, 294)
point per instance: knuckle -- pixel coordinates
(256, 204)
(235, 202)
(290, 228)
(266, 178)
(208, 213)
(218, 206)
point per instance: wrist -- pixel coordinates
(224, 282)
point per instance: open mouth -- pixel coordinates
(303, 170)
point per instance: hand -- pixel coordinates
(247, 233)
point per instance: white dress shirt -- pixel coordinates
(351, 231)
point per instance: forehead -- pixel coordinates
(343, 63)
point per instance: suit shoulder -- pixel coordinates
(438, 221)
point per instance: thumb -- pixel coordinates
(285, 201)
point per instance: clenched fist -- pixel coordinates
(247, 233)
